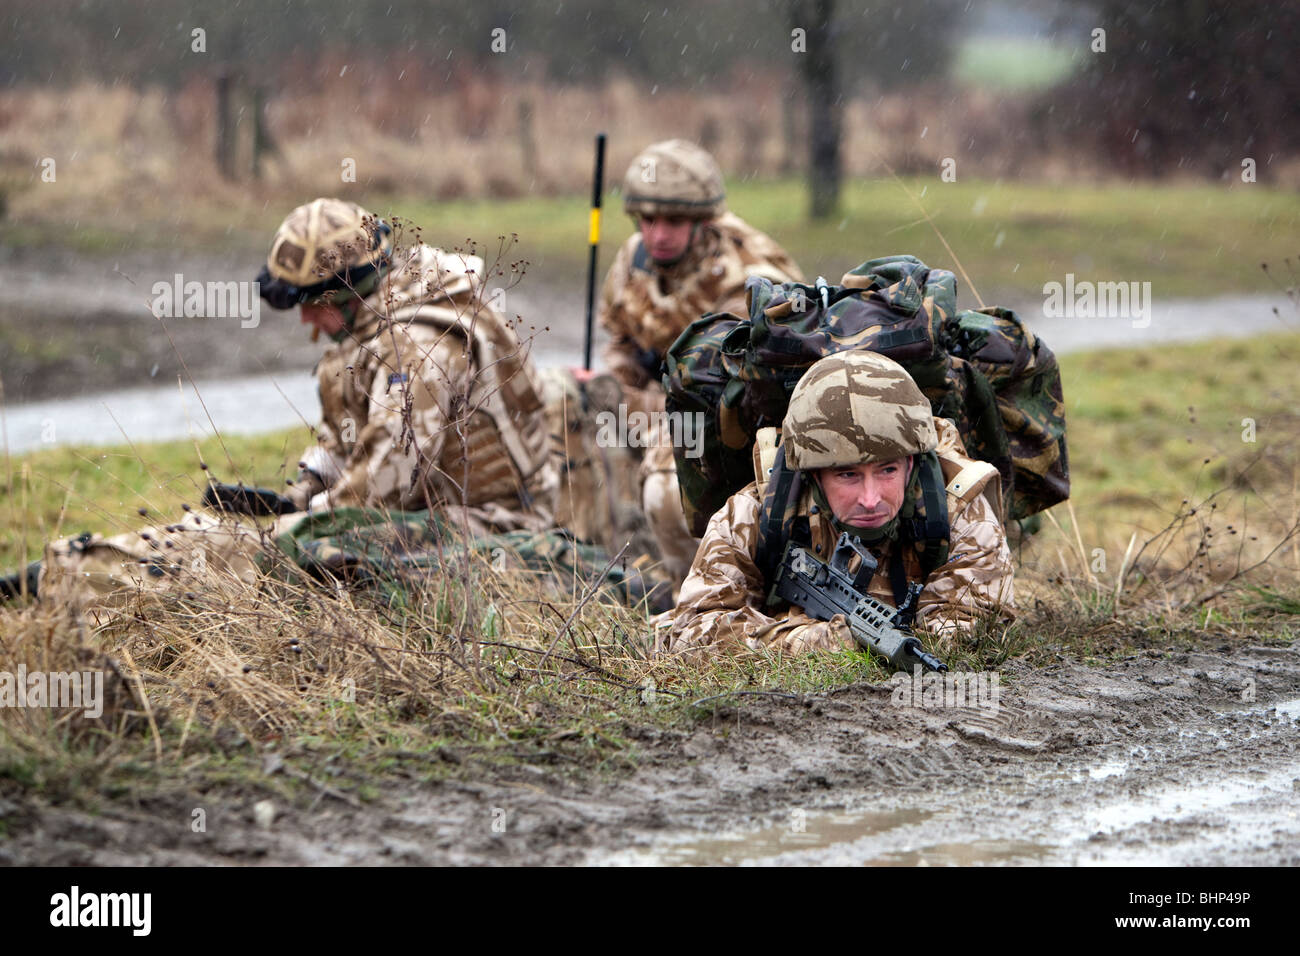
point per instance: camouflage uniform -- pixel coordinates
(427, 402)
(396, 552)
(645, 306)
(722, 602)
(431, 403)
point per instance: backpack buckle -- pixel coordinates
(824, 291)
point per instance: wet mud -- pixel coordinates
(1184, 758)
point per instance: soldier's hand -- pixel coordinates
(304, 488)
(832, 635)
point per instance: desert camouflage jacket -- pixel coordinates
(645, 307)
(431, 402)
(722, 603)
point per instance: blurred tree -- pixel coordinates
(663, 42)
(816, 20)
(1195, 86)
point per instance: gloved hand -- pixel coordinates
(306, 486)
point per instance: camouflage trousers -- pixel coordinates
(606, 495)
(391, 551)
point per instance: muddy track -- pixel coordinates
(1154, 759)
(73, 326)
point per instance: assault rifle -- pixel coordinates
(824, 590)
(236, 499)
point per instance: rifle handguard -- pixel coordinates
(824, 590)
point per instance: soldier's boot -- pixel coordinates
(12, 585)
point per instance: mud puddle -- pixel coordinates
(1229, 820)
(1184, 774)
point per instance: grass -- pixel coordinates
(1161, 412)
(67, 490)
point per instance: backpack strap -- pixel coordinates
(932, 528)
(898, 577)
(776, 518)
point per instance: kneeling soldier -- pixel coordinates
(428, 402)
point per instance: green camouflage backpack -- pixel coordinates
(984, 370)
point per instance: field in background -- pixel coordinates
(1013, 63)
(1188, 239)
(1193, 448)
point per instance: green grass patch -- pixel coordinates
(67, 490)
(1150, 428)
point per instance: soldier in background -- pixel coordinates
(859, 429)
(689, 257)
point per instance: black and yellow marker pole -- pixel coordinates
(598, 187)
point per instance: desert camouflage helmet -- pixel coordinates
(674, 178)
(854, 408)
(327, 244)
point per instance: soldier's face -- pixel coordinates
(866, 496)
(323, 316)
(666, 238)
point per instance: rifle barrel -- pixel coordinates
(928, 660)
